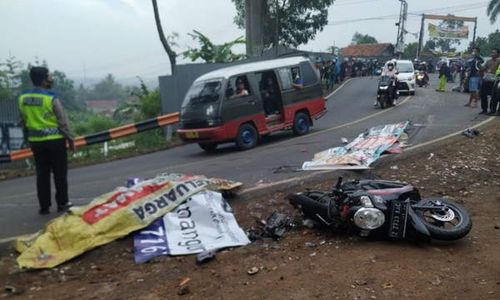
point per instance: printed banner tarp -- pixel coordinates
(360, 153)
(436, 31)
(204, 222)
(107, 218)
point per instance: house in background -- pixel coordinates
(380, 52)
(102, 107)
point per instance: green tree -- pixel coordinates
(65, 90)
(108, 89)
(430, 46)
(410, 51)
(290, 22)
(84, 123)
(487, 43)
(493, 10)
(358, 39)
(147, 106)
(212, 53)
(9, 73)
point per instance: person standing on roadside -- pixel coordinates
(443, 78)
(46, 129)
(487, 82)
(474, 66)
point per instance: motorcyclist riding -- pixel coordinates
(391, 71)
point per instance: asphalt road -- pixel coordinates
(350, 112)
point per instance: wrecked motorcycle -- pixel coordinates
(384, 208)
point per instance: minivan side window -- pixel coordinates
(308, 74)
(238, 86)
(291, 77)
(285, 75)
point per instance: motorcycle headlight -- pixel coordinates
(384, 87)
(377, 199)
(366, 201)
(369, 218)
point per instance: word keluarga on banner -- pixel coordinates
(204, 222)
(360, 153)
(107, 218)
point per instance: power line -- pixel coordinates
(456, 8)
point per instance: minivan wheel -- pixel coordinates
(208, 147)
(301, 123)
(247, 137)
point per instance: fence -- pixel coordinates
(104, 136)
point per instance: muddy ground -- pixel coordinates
(329, 266)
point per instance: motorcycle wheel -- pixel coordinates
(315, 205)
(452, 224)
(383, 101)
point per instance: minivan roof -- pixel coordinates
(253, 67)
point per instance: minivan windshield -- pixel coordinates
(405, 68)
(203, 92)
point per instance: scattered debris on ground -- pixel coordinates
(308, 263)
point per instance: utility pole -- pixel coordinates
(421, 37)
(254, 27)
(403, 16)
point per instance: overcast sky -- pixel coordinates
(97, 37)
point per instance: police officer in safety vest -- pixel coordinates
(46, 129)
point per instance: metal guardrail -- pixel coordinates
(103, 136)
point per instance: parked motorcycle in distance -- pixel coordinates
(422, 79)
(383, 208)
(385, 92)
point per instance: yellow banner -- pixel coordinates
(106, 218)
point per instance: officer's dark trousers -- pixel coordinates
(51, 156)
(484, 92)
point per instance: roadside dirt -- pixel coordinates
(335, 267)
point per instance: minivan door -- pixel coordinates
(240, 100)
(298, 85)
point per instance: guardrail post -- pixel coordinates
(105, 149)
(168, 134)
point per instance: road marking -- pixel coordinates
(337, 89)
(272, 184)
(292, 140)
(283, 142)
(448, 136)
(9, 239)
(348, 124)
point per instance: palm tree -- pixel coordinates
(493, 10)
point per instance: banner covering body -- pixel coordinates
(360, 153)
(436, 31)
(204, 222)
(107, 218)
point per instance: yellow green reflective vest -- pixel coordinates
(37, 109)
(498, 70)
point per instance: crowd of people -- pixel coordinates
(334, 71)
(476, 77)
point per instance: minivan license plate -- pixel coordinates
(192, 135)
